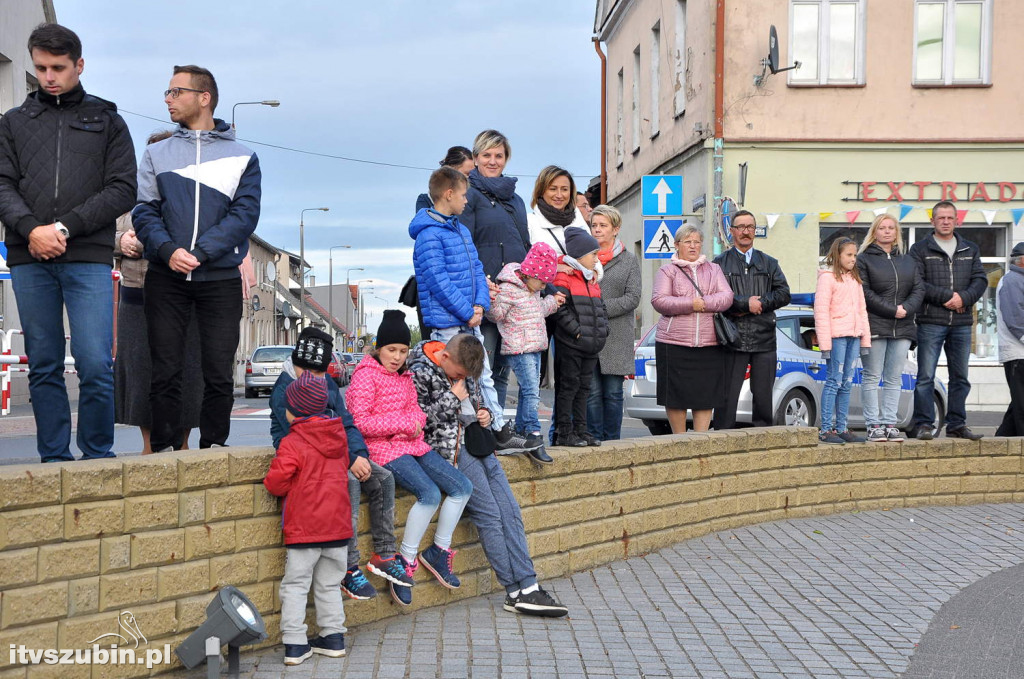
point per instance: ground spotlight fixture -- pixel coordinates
(230, 619)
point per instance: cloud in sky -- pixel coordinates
(390, 81)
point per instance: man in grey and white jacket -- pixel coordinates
(1010, 326)
(199, 201)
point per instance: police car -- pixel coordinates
(799, 379)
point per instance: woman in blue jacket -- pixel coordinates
(496, 218)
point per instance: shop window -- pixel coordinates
(953, 42)
(827, 38)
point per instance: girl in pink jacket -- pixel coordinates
(841, 323)
(519, 311)
(384, 406)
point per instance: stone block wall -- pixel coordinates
(81, 542)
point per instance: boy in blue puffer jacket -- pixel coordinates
(453, 289)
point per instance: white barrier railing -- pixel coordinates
(9, 360)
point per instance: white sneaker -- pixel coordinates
(892, 433)
(876, 434)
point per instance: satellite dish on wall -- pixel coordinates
(770, 64)
(271, 272)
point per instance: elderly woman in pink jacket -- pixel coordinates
(688, 291)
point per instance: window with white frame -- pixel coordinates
(636, 100)
(827, 38)
(679, 97)
(952, 42)
(655, 79)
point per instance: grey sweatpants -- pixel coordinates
(324, 569)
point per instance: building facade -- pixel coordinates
(894, 107)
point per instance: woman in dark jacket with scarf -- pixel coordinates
(894, 291)
(620, 291)
(496, 218)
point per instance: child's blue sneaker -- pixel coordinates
(391, 569)
(357, 586)
(438, 561)
(403, 595)
(294, 654)
(333, 645)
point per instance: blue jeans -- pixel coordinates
(42, 291)
(930, 341)
(884, 362)
(494, 511)
(527, 371)
(604, 406)
(835, 397)
(426, 477)
(491, 402)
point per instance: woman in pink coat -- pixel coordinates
(384, 406)
(688, 291)
(841, 323)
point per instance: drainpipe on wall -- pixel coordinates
(718, 151)
(604, 121)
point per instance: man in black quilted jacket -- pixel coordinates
(954, 281)
(67, 171)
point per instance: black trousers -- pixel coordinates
(762, 379)
(1013, 420)
(170, 303)
(573, 372)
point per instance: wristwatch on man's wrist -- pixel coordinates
(62, 230)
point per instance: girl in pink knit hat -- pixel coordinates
(519, 312)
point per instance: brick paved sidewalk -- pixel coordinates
(837, 596)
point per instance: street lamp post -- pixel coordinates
(273, 103)
(330, 285)
(302, 263)
(361, 311)
(348, 293)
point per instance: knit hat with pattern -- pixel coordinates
(307, 395)
(313, 350)
(540, 262)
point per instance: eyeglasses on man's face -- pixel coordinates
(175, 91)
(744, 227)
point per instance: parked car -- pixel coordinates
(800, 377)
(338, 369)
(263, 367)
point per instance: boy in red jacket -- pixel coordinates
(311, 472)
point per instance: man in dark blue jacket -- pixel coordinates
(67, 172)
(199, 201)
(954, 281)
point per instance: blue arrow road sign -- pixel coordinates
(659, 237)
(5, 274)
(662, 195)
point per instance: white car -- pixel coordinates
(799, 379)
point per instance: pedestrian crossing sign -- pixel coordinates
(659, 238)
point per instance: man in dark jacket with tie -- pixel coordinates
(67, 172)
(760, 288)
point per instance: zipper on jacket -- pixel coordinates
(195, 223)
(60, 141)
(895, 292)
(472, 275)
(951, 283)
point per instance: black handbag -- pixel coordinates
(726, 332)
(480, 441)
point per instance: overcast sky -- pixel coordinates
(396, 82)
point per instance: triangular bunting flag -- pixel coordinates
(880, 211)
(1017, 213)
(772, 218)
(929, 213)
(851, 215)
(960, 215)
(797, 218)
(822, 216)
(989, 215)
(905, 210)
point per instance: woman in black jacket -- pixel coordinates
(894, 291)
